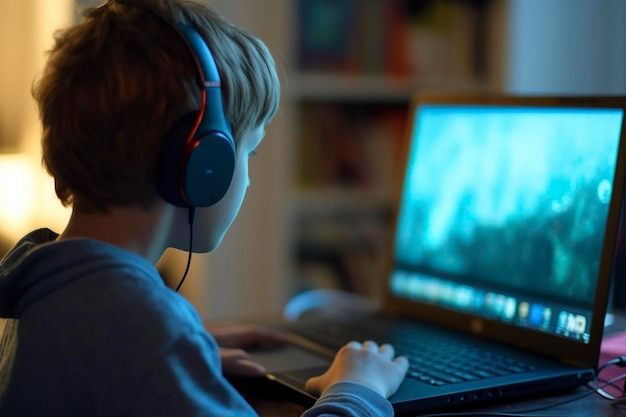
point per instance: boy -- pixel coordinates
(149, 144)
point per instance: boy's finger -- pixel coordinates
(245, 367)
(354, 345)
(402, 362)
(370, 345)
(387, 350)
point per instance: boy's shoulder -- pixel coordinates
(107, 322)
(100, 285)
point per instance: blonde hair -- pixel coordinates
(116, 82)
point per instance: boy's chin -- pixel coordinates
(204, 249)
(200, 247)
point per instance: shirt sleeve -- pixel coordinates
(348, 399)
(186, 380)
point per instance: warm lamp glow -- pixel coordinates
(27, 199)
(50, 212)
(18, 187)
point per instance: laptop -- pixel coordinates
(505, 230)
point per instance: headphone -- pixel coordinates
(197, 159)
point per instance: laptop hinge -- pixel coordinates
(575, 364)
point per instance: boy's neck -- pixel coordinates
(137, 230)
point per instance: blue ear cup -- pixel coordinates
(197, 159)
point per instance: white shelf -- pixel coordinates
(367, 87)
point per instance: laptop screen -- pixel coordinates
(503, 212)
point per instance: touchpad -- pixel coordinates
(288, 358)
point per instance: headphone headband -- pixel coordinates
(207, 68)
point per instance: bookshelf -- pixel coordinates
(354, 66)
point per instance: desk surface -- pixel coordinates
(580, 402)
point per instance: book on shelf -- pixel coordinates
(348, 146)
(440, 39)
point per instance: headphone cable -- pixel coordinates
(192, 215)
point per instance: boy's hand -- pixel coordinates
(366, 364)
(236, 362)
(233, 338)
(244, 336)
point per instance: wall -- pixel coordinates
(567, 46)
(26, 28)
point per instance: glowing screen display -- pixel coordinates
(503, 211)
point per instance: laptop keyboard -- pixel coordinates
(435, 357)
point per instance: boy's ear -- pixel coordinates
(197, 159)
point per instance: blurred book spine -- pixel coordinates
(423, 39)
